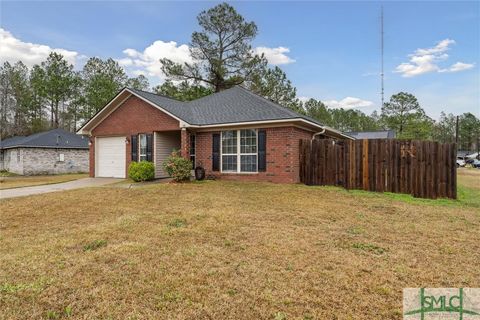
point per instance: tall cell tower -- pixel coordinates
(381, 45)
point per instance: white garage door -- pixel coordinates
(111, 154)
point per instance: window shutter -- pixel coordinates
(262, 150)
(216, 152)
(149, 147)
(134, 145)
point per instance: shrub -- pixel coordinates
(141, 171)
(178, 167)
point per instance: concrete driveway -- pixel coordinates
(76, 184)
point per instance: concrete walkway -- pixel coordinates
(76, 184)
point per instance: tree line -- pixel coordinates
(52, 94)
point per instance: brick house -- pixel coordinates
(50, 152)
(232, 134)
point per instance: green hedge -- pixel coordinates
(141, 171)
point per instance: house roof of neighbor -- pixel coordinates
(56, 138)
(384, 134)
(231, 106)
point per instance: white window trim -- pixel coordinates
(239, 154)
(140, 147)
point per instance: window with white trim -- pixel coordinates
(239, 151)
(142, 146)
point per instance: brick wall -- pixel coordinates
(282, 156)
(47, 161)
(13, 160)
(35, 161)
(134, 116)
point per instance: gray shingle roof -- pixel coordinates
(175, 107)
(232, 105)
(56, 138)
(385, 134)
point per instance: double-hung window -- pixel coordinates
(142, 146)
(239, 150)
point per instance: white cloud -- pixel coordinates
(349, 103)
(275, 56)
(459, 66)
(427, 60)
(441, 46)
(148, 61)
(13, 50)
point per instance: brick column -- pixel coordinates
(185, 144)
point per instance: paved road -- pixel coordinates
(76, 184)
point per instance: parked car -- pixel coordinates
(476, 163)
(472, 156)
(460, 162)
(470, 161)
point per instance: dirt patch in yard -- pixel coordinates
(227, 250)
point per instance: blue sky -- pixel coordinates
(330, 50)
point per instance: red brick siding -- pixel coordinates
(282, 156)
(132, 117)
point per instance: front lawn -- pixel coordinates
(230, 250)
(16, 181)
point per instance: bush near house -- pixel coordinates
(141, 171)
(178, 167)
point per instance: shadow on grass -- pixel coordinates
(466, 197)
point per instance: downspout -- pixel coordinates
(318, 133)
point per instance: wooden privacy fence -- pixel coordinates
(424, 169)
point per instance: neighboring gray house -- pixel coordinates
(384, 134)
(50, 152)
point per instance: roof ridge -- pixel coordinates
(156, 94)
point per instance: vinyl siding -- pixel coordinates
(165, 143)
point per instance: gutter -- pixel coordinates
(318, 133)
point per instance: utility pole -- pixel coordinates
(381, 45)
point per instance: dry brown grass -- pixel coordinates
(226, 250)
(28, 181)
(469, 177)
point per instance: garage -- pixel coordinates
(110, 157)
